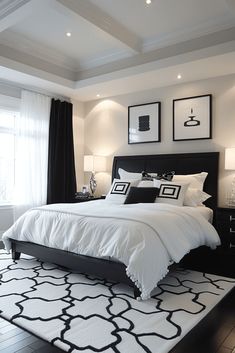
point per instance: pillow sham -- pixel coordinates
(171, 193)
(119, 190)
(128, 175)
(141, 195)
(195, 197)
(159, 176)
(196, 181)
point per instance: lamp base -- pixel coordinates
(231, 195)
(93, 183)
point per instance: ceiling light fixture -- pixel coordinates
(98, 95)
(179, 76)
(68, 34)
(148, 2)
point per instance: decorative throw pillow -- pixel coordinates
(141, 195)
(196, 181)
(195, 197)
(172, 193)
(158, 176)
(119, 190)
(128, 175)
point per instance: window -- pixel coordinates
(7, 154)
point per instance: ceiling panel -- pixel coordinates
(164, 17)
(48, 28)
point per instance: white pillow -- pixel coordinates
(119, 190)
(170, 192)
(129, 175)
(196, 181)
(146, 184)
(195, 197)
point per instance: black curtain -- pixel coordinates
(61, 185)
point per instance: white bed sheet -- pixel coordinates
(145, 237)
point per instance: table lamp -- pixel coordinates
(94, 164)
(230, 165)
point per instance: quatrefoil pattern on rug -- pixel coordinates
(80, 313)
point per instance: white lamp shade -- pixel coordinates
(94, 163)
(230, 158)
(88, 163)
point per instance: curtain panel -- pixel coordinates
(61, 186)
(31, 152)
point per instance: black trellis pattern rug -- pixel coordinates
(80, 313)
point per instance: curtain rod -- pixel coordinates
(45, 93)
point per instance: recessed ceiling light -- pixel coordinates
(98, 95)
(148, 2)
(68, 34)
(179, 76)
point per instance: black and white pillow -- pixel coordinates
(158, 176)
(141, 195)
(171, 193)
(119, 190)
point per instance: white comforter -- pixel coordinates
(145, 237)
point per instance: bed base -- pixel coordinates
(108, 269)
(182, 163)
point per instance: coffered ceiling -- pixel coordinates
(116, 46)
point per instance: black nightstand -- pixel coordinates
(220, 261)
(225, 225)
(225, 254)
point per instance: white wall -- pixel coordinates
(106, 125)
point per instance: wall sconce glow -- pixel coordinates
(148, 2)
(68, 34)
(179, 76)
(98, 95)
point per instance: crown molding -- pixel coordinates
(24, 45)
(9, 6)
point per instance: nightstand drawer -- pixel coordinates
(228, 228)
(225, 225)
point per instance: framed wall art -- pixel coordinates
(192, 118)
(144, 123)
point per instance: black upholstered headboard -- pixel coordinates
(183, 163)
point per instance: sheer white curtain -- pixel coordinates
(32, 133)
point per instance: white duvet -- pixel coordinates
(145, 237)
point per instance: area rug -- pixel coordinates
(80, 313)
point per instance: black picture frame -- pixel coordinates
(192, 118)
(144, 123)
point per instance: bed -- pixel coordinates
(181, 163)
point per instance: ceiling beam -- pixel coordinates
(102, 20)
(13, 11)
